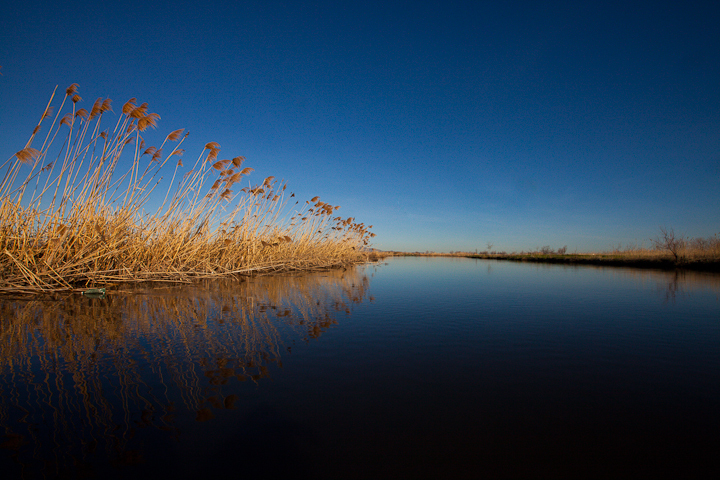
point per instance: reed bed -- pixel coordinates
(86, 208)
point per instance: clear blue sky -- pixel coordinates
(445, 124)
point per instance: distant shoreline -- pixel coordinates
(664, 262)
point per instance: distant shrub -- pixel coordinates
(668, 241)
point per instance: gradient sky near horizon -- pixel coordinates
(447, 125)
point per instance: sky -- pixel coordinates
(447, 125)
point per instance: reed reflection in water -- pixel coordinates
(87, 384)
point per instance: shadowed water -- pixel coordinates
(418, 368)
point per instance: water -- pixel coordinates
(417, 368)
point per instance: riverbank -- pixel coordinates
(615, 260)
(649, 259)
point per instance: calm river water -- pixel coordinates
(413, 368)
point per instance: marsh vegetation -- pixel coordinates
(84, 205)
(666, 250)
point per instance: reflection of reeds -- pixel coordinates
(76, 372)
(71, 216)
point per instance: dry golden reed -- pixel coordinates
(92, 212)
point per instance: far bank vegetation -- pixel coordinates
(665, 250)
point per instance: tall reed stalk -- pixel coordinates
(75, 215)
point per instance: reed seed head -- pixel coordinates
(140, 112)
(106, 105)
(27, 154)
(71, 89)
(96, 108)
(221, 164)
(149, 120)
(129, 106)
(174, 136)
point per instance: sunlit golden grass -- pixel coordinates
(93, 210)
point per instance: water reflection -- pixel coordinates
(671, 284)
(87, 383)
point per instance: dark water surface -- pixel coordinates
(417, 368)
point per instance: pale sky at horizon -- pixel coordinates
(445, 125)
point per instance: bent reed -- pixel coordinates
(73, 217)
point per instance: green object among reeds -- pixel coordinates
(94, 293)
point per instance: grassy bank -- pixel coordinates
(668, 252)
(84, 205)
(611, 259)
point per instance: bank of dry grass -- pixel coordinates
(667, 251)
(85, 206)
